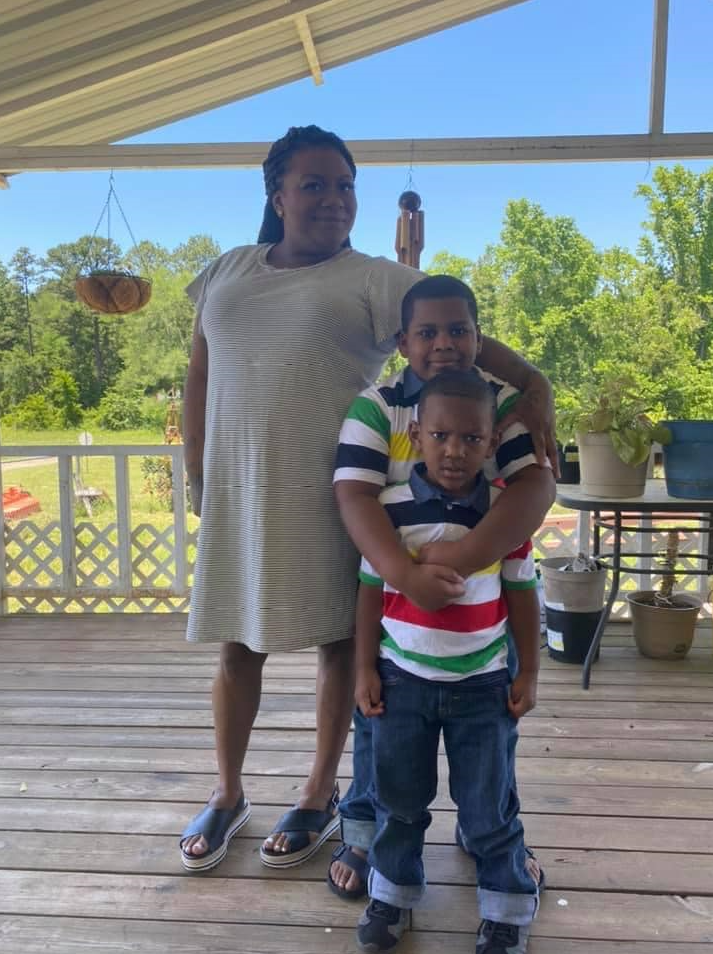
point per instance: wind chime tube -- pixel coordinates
(410, 229)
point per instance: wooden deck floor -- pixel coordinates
(106, 751)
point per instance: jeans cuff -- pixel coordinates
(518, 909)
(400, 895)
(358, 833)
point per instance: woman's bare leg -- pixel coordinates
(236, 699)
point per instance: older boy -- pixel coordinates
(440, 332)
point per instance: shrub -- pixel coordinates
(63, 393)
(119, 410)
(158, 480)
(35, 413)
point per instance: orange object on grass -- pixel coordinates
(17, 502)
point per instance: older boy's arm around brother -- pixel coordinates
(440, 332)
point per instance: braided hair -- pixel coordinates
(275, 166)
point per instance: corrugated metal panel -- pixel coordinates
(78, 72)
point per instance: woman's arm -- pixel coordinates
(194, 399)
(536, 408)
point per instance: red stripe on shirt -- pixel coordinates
(455, 618)
(522, 552)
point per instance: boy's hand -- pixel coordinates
(367, 693)
(431, 586)
(523, 694)
(535, 410)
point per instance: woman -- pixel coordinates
(287, 332)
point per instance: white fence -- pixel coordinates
(71, 561)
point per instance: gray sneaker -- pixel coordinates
(380, 927)
(496, 938)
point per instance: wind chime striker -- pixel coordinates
(110, 290)
(410, 223)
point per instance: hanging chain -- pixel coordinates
(106, 210)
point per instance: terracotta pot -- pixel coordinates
(663, 632)
(603, 473)
(113, 293)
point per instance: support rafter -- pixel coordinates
(367, 152)
(658, 67)
(310, 49)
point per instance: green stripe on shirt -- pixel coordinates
(519, 584)
(468, 663)
(368, 412)
(507, 405)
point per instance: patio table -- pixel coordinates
(643, 515)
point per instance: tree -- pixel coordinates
(679, 243)
(25, 269)
(195, 254)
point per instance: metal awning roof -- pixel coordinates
(79, 75)
(97, 71)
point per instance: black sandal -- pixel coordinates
(297, 824)
(217, 826)
(360, 867)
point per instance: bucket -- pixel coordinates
(687, 459)
(568, 459)
(575, 592)
(569, 635)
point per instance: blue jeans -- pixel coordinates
(357, 808)
(480, 737)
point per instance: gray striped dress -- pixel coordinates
(288, 350)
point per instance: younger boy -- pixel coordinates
(420, 672)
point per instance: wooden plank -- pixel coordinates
(78, 894)
(557, 798)
(625, 917)
(97, 677)
(586, 772)
(297, 712)
(37, 935)
(607, 732)
(689, 836)
(189, 697)
(590, 870)
(298, 740)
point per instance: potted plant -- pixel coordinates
(614, 434)
(112, 291)
(664, 622)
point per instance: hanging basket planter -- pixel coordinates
(113, 292)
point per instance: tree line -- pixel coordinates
(579, 313)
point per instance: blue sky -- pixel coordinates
(545, 67)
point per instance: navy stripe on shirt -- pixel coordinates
(356, 456)
(409, 513)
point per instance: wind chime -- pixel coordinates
(111, 290)
(410, 224)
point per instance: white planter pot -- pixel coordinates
(604, 473)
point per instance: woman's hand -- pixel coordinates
(536, 411)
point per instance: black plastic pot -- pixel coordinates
(568, 457)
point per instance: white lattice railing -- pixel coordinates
(59, 561)
(71, 562)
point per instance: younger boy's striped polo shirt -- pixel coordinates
(469, 636)
(374, 445)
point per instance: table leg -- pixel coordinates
(606, 612)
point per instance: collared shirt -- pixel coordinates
(374, 445)
(469, 636)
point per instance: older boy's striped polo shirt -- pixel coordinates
(467, 637)
(374, 445)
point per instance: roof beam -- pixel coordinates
(367, 152)
(658, 67)
(310, 49)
